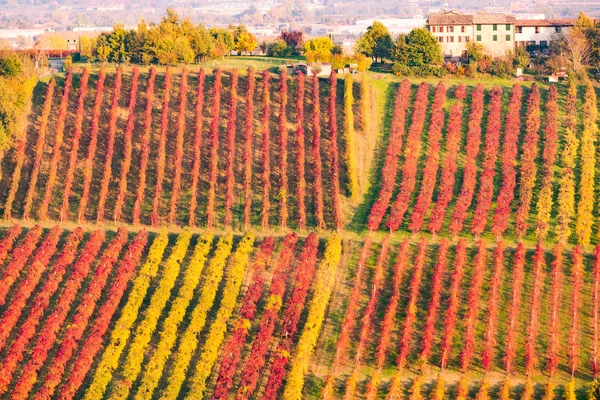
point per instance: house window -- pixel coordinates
(441, 39)
(451, 39)
(495, 27)
(557, 29)
(479, 38)
(450, 29)
(508, 27)
(537, 29)
(459, 39)
(543, 44)
(467, 39)
(441, 29)
(478, 27)
(508, 38)
(495, 38)
(519, 29)
(462, 29)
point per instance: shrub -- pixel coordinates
(197, 148)
(213, 143)
(183, 88)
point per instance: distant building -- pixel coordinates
(65, 40)
(496, 32)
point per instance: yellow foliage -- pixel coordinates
(566, 183)
(528, 391)
(349, 138)
(415, 390)
(189, 339)
(504, 390)
(549, 393)
(135, 357)
(351, 386)
(585, 206)
(439, 390)
(168, 335)
(122, 330)
(324, 281)
(570, 391)
(483, 393)
(462, 388)
(374, 385)
(218, 329)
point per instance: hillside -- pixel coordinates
(159, 241)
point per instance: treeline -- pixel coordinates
(172, 40)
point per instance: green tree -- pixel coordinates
(418, 48)
(475, 51)
(376, 42)
(318, 49)
(279, 48)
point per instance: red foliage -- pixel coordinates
(447, 179)
(39, 153)
(37, 267)
(214, 150)
(490, 154)
(333, 149)
(183, 88)
(110, 144)
(126, 165)
(509, 158)
(453, 302)
(316, 154)
(7, 242)
(532, 329)
(387, 324)
(162, 145)
(54, 322)
(575, 309)
(469, 180)
(554, 340)
(529, 154)
(367, 318)
(265, 151)
(473, 307)
(56, 150)
(80, 321)
(79, 115)
(19, 261)
(411, 159)
(283, 153)
(145, 151)
(232, 351)
(429, 178)
(514, 310)
(411, 309)
(93, 343)
(89, 161)
(300, 153)
(305, 272)
(197, 148)
(392, 155)
(16, 177)
(248, 136)
(351, 312)
(596, 310)
(437, 281)
(257, 359)
(487, 355)
(231, 130)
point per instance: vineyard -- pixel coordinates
(193, 233)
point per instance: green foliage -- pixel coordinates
(475, 51)
(520, 57)
(418, 48)
(11, 65)
(419, 71)
(376, 42)
(594, 391)
(279, 48)
(171, 41)
(502, 67)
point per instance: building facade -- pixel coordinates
(540, 33)
(497, 33)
